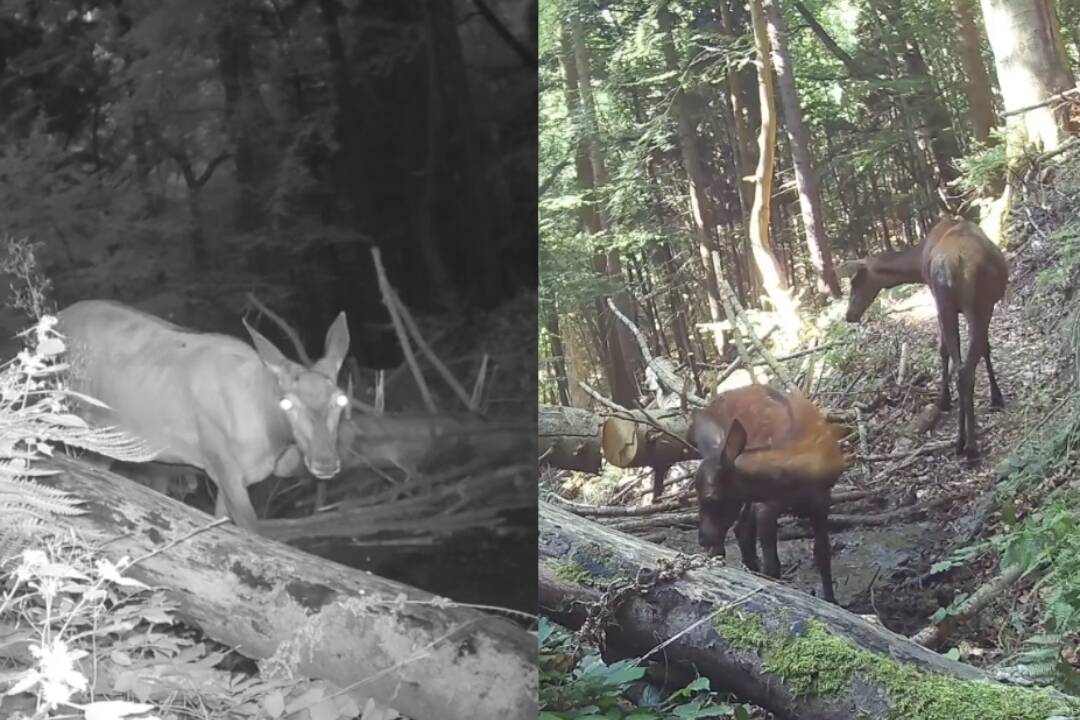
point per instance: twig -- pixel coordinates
(730, 299)
(399, 329)
(440, 367)
(933, 635)
(1048, 101)
(290, 333)
(595, 395)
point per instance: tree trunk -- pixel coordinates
(701, 210)
(550, 313)
(1031, 67)
(976, 79)
(766, 642)
(569, 438)
(246, 591)
(805, 181)
(759, 215)
(607, 265)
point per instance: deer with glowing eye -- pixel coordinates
(208, 400)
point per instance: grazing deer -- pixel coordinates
(207, 400)
(764, 452)
(967, 274)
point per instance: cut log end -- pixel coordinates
(619, 441)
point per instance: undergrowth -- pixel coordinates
(1037, 489)
(578, 684)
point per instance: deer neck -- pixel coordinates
(898, 268)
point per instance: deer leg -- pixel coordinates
(659, 475)
(949, 324)
(767, 515)
(232, 498)
(746, 532)
(819, 520)
(977, 348)
(996, 399)
(944, 402)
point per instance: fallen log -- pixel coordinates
(794, 655)
(568, 438)
(342, 625)
(646, 438)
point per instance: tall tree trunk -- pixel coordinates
(701, 210)
(1031, 67)
(805, 181)
(619, 344)
(767, 267)
(976, 79)
(246, 116)
(550, 312)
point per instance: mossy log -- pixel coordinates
(771, 645)
(343, 625)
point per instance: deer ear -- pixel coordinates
(337, 345)
(850, 268)
(736, 441)
(706, 436)
(282, 367)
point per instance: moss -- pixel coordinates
(572, 571)
(816, 662)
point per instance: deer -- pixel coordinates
(967, 275)
(239, 413)
(764, 452)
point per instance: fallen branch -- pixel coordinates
(932, 636)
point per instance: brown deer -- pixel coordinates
(967, 274)
(206, 400)
(764, 452)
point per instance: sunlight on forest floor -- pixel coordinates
(918, 306)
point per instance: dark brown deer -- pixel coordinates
(967, 274)
(206, 400)
(764, 452)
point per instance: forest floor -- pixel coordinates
(903, 548)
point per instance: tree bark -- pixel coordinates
(817, 244)
(759, 215)
(701, 211)
(550, 312)
(243, 590)
(569, 438)
(976, 79)
(717, 601)
(1031, 67)
(580, 102)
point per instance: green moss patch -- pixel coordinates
(819, 663)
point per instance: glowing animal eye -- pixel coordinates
(341, 401)
(286, 404)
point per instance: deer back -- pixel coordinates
(759, 444)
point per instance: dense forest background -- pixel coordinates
(690, 148)
(178, 155)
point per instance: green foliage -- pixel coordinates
(573, 685)
(984, 166)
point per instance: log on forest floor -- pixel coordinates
(407, 649)
(569, 438)
(460, 473)
(783, 650)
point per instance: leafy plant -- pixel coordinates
(576, 685)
